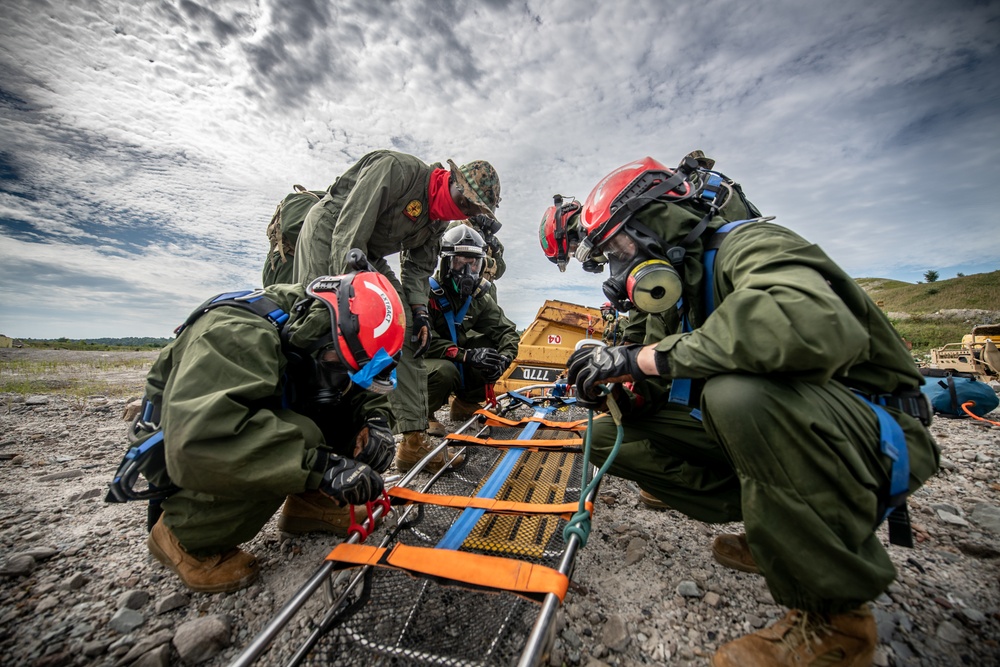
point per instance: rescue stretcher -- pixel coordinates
(473, 564)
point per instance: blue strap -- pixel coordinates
(459, 531)
(379, 362)
(892, 443)
(454, 320)
(680, 388)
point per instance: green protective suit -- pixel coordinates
(782, 444)
(380, 206)
(229, 444)
(484, 325)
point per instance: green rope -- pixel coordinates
(579, 524)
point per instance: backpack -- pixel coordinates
(947, 392)
(283, 231)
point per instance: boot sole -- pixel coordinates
(229, 587)
(734, 564)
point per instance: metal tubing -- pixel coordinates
(267, 635)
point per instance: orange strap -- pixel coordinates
(496, 420)
(567, 444)
(566, 510)
(530, 581)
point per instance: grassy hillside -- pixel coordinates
(980, 291)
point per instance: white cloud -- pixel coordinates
(151, 142)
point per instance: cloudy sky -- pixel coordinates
(143, 145)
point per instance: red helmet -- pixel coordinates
(367, 320)
(557, 229)
(605, 210)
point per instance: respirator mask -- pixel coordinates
(640, 277)
(463, 272)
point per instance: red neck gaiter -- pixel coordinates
(440, 205)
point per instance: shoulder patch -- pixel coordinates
(413, 209)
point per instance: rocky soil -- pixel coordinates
(78, 588)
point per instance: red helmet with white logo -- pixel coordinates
(558, 229)
(619, 195)
(368, 322)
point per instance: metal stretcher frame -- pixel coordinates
(327, 574)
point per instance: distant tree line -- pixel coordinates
(130, 342)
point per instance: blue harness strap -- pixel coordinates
(680, 388)
(453, 318)
(892, 443)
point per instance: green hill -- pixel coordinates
(913, 308)
(979, 291)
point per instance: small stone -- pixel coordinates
(688, 589)
(46, 603)
(74, 583)
(986, 516)
(85, 495)
(755, 621)
(158, 657)
(147, 644)
(712, 599)
(615, 634)
(635, 551)
(65, 474)
(881, 658)
(202, 638)
(972, 616)
(41, 553)
(952, 519)
(18, 565)
(36, 400)
(126, 620)
(95, 648)
(950, 633)
(173, 601)
(133, 599)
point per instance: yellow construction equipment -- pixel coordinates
(976, 354)
(548, 341)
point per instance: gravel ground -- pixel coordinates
(78, 588)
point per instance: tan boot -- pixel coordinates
(734, 552)
(221, 573)
(313, 512)
(462, 411)
(436, 428)
(806, 639)
(651, 501)
(416, 446)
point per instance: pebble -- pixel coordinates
(126, 620)
(18, 565)
(202, 638)
(172, 601)
(133, 599)
(635, 551)
(615, 634)
(65, 474)
(688, 589)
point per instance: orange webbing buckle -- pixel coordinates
(526, 580)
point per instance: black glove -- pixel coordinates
(590, 367)
(421, 330)
(593, 266)
(351, 483)
(493, 243)
(487, 361)
(379, 446)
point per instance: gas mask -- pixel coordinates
(463, 273)
(640, 277)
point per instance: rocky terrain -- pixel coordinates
(77, 586)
